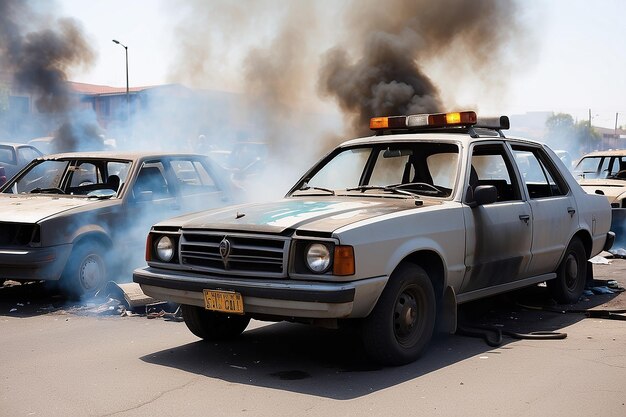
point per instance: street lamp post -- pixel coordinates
(127, 92)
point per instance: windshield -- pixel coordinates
(72, 177)
(417, 168)
(603, 166)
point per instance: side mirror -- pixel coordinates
(485, 194)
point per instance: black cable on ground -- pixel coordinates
(493, 335)
(611, 314)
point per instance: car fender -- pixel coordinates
(411, 247)
(594, 220)
(91, 231)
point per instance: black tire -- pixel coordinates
(571, 274)
(401, 325)
(85, 272)
(211, 325)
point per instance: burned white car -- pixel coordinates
(390, 232)
(80, 219)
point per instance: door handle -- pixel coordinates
(571, 211)
(524, 217)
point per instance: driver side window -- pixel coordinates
(492, 166)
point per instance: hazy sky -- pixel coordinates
(575, 59)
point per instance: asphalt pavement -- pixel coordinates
(96, 358)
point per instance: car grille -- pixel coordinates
(248, 254)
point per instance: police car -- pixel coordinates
(387, 231)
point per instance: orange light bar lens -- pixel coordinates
(343, 263)
(379, 123)
(453, 118)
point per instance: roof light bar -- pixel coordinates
(501, 122)
(465, 118)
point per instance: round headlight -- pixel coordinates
(318, 257)
(165, 249)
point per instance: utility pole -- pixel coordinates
(589, 134)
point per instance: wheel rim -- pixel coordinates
(91, 272)
(571, 271)
(408, 316)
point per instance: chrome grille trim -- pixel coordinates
(251, 255)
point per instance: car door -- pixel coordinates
(499, 235)
(554, 210)
(152, 197)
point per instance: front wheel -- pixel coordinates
(209, 325)
(401, 325)
(571, 274)
(85, 272)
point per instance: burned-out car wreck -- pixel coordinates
(389, 232)
(80, 219)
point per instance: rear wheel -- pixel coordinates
(401, 325)
(210, 325)
(571, 275)
(85, 272)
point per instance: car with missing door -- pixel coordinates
(80, 219)
(389, 233)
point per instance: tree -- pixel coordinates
(559, 122)
(576, 138)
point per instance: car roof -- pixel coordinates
(133, 156)
(463, 137)
(612, 152)
(16, 144)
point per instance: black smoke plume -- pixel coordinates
(378, 71)
(38, 49)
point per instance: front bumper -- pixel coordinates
(284, 298)
(34, 263)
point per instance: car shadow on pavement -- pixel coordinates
(330, 363)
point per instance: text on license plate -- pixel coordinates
(225, 301)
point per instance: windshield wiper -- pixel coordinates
(392, 189)
(51, 190)
(419, 188)
(305, 187)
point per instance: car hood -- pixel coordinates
(32, 209)
(320, 215)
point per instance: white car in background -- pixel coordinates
(604, 173)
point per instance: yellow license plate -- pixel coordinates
(225, 301)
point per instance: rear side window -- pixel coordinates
(27, 154)
(541, 177)
(7, 155)
(151, 179)
(193, 177)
